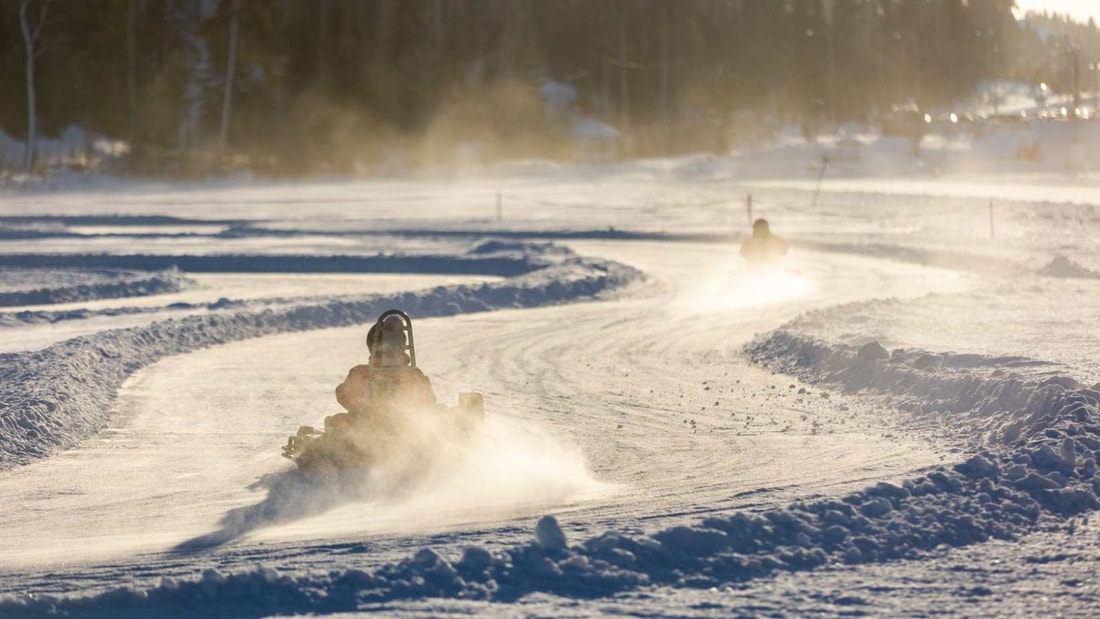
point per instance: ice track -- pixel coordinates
(636, 413)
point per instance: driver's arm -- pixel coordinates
(353, 391)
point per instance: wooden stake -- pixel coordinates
(820, 177)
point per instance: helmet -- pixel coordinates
(392, 334)
(760, 226)
(371, 337)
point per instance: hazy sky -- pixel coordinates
(1077, 9)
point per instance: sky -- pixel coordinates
(1079, 10)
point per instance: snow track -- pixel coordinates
(668, 457)
(654, 391)
(1047, 471)
(635, 413)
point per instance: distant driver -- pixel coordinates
(763, 249)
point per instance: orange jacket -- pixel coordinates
(352, 393)
(367, 386)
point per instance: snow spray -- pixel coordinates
(515, 469)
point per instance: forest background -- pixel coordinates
(298, 87)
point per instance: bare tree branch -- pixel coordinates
(41, 18)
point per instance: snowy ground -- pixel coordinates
(615, 402)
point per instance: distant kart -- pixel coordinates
(390, 431)
(763, 250)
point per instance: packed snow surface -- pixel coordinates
(909, 397)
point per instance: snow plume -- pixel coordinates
(514, 469)
(291, 496)
(500, 121)
(731, 286)
(431, 479)
(452, 481)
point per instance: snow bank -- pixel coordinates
(38, 317)
(59, 221)
(1036, 447)
(978, 395)
(87, 285)
(55, 397)
(110, 280)
(1062, 266)
(499, 265)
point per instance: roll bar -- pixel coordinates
(407, 328)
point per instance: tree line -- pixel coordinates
(301, 86)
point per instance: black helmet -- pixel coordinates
(392, 332)
(371, 338)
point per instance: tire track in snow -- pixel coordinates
(578, 372)
(587, 374)
(584, 374)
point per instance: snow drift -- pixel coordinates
(86, 285)
(1061, 266)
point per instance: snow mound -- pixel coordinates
(1062, 266)
(55, 397)
(85, 285)
(500, 246)
(499, 265)
(995, 408)
(38, 317)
